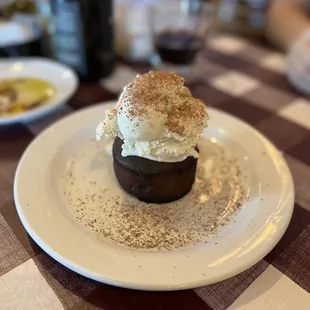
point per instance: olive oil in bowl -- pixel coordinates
(21, 94)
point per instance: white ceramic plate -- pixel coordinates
(258, 227)
(60, 76)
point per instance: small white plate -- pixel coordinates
(257, 228)
(60, 76)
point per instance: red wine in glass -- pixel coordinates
(178, 47)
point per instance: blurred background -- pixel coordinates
(89, 35)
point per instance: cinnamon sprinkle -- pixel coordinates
(165, 93)
(103, 209)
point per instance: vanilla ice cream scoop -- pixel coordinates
(157, 118)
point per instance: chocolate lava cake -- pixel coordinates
(153, 181)
(155, 125)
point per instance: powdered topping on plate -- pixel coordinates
(157, 117)
(100, 206)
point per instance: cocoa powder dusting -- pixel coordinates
(113, 216)
(163, 92)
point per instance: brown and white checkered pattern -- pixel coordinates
(241, 79)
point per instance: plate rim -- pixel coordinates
(134, 285)
(40, 111)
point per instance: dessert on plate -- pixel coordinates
(156, 124)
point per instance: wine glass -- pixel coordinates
(179, 30)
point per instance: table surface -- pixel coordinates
(239, 78)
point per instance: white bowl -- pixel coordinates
(63, 78)
(44, 211)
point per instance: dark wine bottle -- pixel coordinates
(83, 36)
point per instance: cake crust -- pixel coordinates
(151, 181)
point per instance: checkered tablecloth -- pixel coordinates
(241, 79)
